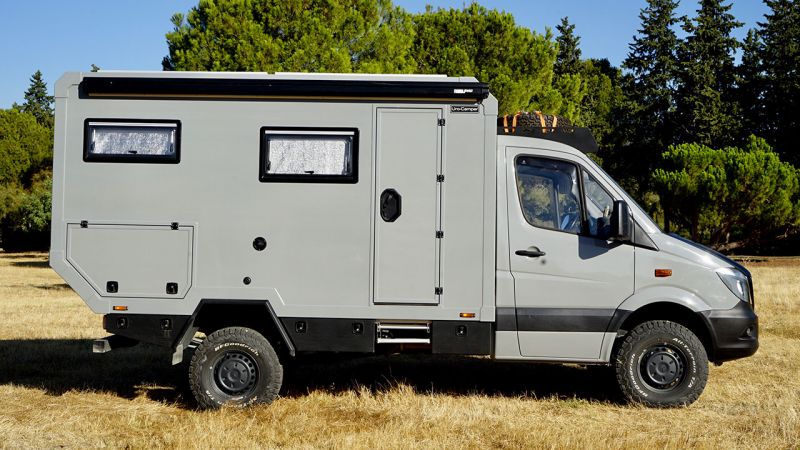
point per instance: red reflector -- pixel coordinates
(663, 273)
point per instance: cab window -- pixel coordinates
(598, 207)
(562, 196)
(549, 193)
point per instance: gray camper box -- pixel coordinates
(265, 216)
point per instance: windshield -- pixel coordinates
(638, 210)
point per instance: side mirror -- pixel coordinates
(621, 222)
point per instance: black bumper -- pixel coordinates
(734, 332)
(163, 330)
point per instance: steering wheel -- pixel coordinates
(569, 221)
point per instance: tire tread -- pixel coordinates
(643, 331)
(243, 335)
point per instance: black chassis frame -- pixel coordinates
(298, 334)
(733, 333)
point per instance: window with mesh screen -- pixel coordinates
(108, 140)
(304, 155)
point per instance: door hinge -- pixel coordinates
(440, 178)
(440, 122)
(438, 291)
(439, 234)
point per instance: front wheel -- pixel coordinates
(661, 364)
(235, 366)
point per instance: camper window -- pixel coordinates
(303, 155)
(112, 140)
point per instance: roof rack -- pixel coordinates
(546, 126)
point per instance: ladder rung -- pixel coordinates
(403, 326)
(403, 341)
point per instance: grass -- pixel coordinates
(55, 393)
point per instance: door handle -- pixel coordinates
(391, 205)
(531, 252)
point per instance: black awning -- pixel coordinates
(270, 87)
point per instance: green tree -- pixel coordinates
(706, 107)
(568, 60)
(27, 225)
(750, 86)
(25, 146)
(780, 60)
(645, 123)
(653, 66)
(729, 194)
(292, 35)
(488, 44)
(37, 102)
(376, 37)
(569, 80)
(602, 101)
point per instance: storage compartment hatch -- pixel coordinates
(152, 261)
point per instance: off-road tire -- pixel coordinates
(661, 364)
(235, 366)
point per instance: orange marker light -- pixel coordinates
(660, 273)
(467, 315)
(120, 308)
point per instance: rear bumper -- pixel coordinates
(734, 332)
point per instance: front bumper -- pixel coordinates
(734, 332)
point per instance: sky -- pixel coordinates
(56, 36)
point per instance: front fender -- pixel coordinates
(661, 294)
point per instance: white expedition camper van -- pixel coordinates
(264, 216)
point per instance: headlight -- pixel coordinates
(735, 281)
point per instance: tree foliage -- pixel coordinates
(292, 35)
(603, 100)
(37, 102)
(749, 92)
(644, 120)
(780, 62)
(653, 65)
(368, 36)
(728, 194)
(25, 146)
(26, 137)
(26, 226)
(488, 44)
(706, 107)
(568, 59)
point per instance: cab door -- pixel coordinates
(568, 278)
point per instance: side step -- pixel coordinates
(109, 343)
(403, 332)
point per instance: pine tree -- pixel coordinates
(295, 36)
(750, 87)
(781, 62)
(37, 102)
(647, 127)
(706, 104)
(568, 60)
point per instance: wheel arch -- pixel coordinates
(214, 314)
(664, 310)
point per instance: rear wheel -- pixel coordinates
(235, 366)
(661, 364)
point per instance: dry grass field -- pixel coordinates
(55, 393)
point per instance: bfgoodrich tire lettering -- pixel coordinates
(661, 364)
(235, 366)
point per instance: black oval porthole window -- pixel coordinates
(259, 243)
